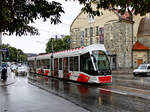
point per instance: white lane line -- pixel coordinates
(138, 89)
(113, 91)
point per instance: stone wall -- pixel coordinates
(118, 40)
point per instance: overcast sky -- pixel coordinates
(37, 44)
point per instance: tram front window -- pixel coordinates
(101, 61)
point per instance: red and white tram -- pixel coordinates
(86, 64)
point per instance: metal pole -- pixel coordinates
(0, 48)
(132, 45)
(52, 57)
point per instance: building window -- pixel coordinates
(82, 38)
(97, 31)
(91, 31)
(101, 34)
(85, 32)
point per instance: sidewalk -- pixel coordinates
(10, 79)
(125, 78)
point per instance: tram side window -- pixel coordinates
(60, 63)
(46, 64)
(86, 63)
(71, 63)
(76, 63)
(38, 63)
(41, 63)
(30, 63)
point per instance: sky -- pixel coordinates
(37, 44)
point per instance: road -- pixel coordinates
(95, 98)
(64, 96)
(24, 97)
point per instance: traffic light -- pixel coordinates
(7, 54)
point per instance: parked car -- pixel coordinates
(142, 70)
(22, 70)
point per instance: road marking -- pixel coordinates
(137, 89)
(113, 91)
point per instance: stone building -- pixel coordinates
(116, 32)
(141, 49)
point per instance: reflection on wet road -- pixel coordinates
(92, 97)
(23, 97)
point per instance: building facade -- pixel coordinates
(141, 49)
(116, 32)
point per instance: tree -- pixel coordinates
(58, 44)
(14, 54)
(138, 6)
(15, 15)
(66, 42)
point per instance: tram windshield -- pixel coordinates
(101, 60)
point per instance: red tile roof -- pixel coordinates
(139, 46)
(125, 16)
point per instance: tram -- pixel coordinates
(86, 64)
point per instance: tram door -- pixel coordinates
(52, 66)
(65, 68)
(56, 67)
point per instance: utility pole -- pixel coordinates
(52, 57)
(132, 43)
(0, 48)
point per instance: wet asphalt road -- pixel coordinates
(66, 96)
(24, 97)
(92, 97)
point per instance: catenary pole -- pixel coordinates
(0, 48)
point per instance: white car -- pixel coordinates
(13, 67)
(142, 70)
(22, 70)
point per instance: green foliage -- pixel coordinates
(15, 15)
(138, 6)
(58, 44)
(14, 54)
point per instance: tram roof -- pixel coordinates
(71, 52)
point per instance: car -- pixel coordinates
(142, 70)
(13, 67)
(22, 70)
